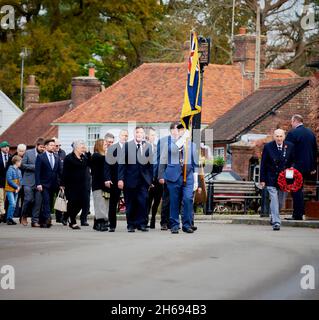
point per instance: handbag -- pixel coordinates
(8, 188)
(61, 202)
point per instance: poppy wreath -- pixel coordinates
(295, 186)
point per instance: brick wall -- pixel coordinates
(302, 103)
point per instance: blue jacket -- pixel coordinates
(13, 174)
(170, 168)
(305, 149)
(273, 162)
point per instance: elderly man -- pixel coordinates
(277, 156)
(111, 174)
(135, 176)
(305, 159)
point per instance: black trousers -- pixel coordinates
(165, 206)
(298, 204)
(115, 194)
(136, 200)
(73, 208)
(86, 207)
(154, 199)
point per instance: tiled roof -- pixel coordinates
(35, 122)
(251, 110)
(154, 92)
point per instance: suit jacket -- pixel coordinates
(3, 170)
(273, 162)
(305, 149)
(28, 167)
(111, 167)
(170, 167)
(44, 174)
(135, 170)
(162, 145)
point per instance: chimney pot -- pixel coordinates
(92, 72)
(242, 30)
(31, 80)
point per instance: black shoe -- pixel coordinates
(11, 222)
(276, 227)
(84, 224)
(104, 226)
(189, 230)
(112, 230)
(45, 226)
(194, 228)
(74, 226)
(144, 229)
(65, 222)
(164, 227)
(130, 230)
(174, 231)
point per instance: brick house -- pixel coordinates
(152, 95)
(37, 117)
(242, 131)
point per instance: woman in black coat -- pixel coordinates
(76, 181)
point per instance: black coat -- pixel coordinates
(305, 144)
(98, 172)
(3, 170)
(274, 161)
(44, 174)
(76, 177)
(135, 171)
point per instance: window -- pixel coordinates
(93, 133)
(219, 152)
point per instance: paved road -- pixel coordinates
(219, 261)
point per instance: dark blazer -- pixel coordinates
(44, 174)
(305, 144)
(3, 170)
(76, 177)
(111, 167)
(135, 170)
(273, 162)
(97, 171)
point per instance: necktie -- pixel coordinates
(5, 159)
(51, 160)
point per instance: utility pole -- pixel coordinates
(23, 54)
(257, 53)
(232, 30)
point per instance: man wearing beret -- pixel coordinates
(5, 161)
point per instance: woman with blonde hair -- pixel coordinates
(99, 189)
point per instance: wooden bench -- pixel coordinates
(232, 191)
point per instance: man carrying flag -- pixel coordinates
(179, 162)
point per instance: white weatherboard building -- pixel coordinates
(9, 112)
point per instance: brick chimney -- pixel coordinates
(84, 88)
(31, 92)
(245, 50)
